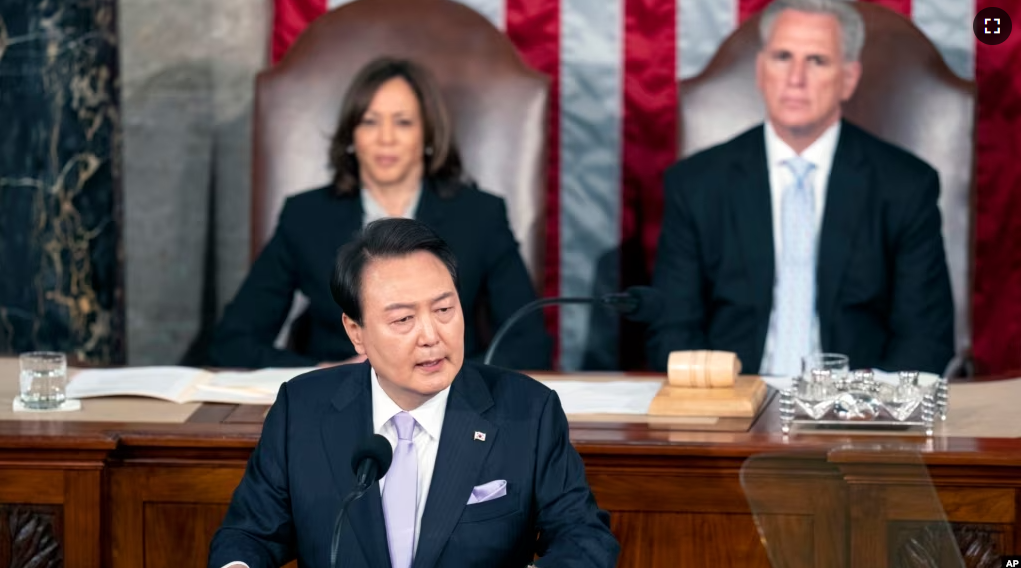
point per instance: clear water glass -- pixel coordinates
(838, 366)
(814, 394)
(43, 380)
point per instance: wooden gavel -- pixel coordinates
(703, 369)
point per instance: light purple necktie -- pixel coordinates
(400, 493)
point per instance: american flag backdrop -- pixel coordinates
(614, 66)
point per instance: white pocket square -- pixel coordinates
(488, 491)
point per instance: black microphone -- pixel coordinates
(638, 303)
(641, 304)
(370, 461)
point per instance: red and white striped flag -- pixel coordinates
(615, 65)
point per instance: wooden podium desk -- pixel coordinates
(124, 495)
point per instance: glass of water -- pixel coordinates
(837, 364)
(43, 380)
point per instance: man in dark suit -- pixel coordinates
(805, 234)
(483, 472)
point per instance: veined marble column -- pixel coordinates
(60, 204)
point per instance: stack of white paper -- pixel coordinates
(610, 397)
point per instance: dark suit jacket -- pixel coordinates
(315, 224)
(287, 501)
(883, 292)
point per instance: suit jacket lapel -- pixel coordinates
(430, 206)
(350, 216)
(349, 422)
(846, 196)
(754, 221)
(458, 461)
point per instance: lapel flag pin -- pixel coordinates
(480, 436)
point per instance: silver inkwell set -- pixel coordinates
(827, 396)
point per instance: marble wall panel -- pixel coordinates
(60, 208)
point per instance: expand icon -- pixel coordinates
(992, 26)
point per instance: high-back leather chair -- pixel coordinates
(498, 106)
(907, 95)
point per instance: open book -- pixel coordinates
(580, 394)
(183, 384)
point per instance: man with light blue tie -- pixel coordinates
(805, 234)
(483, 471)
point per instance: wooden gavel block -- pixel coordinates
(703, 369)
(706, 383)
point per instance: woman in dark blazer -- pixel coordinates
(393, 155)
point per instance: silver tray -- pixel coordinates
(912, 402)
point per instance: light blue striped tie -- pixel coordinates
(795, 299)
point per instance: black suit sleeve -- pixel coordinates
(573, 531)
(251, 323)
(922, 307)
(527, 345)
(258, 529)
(678, 274)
